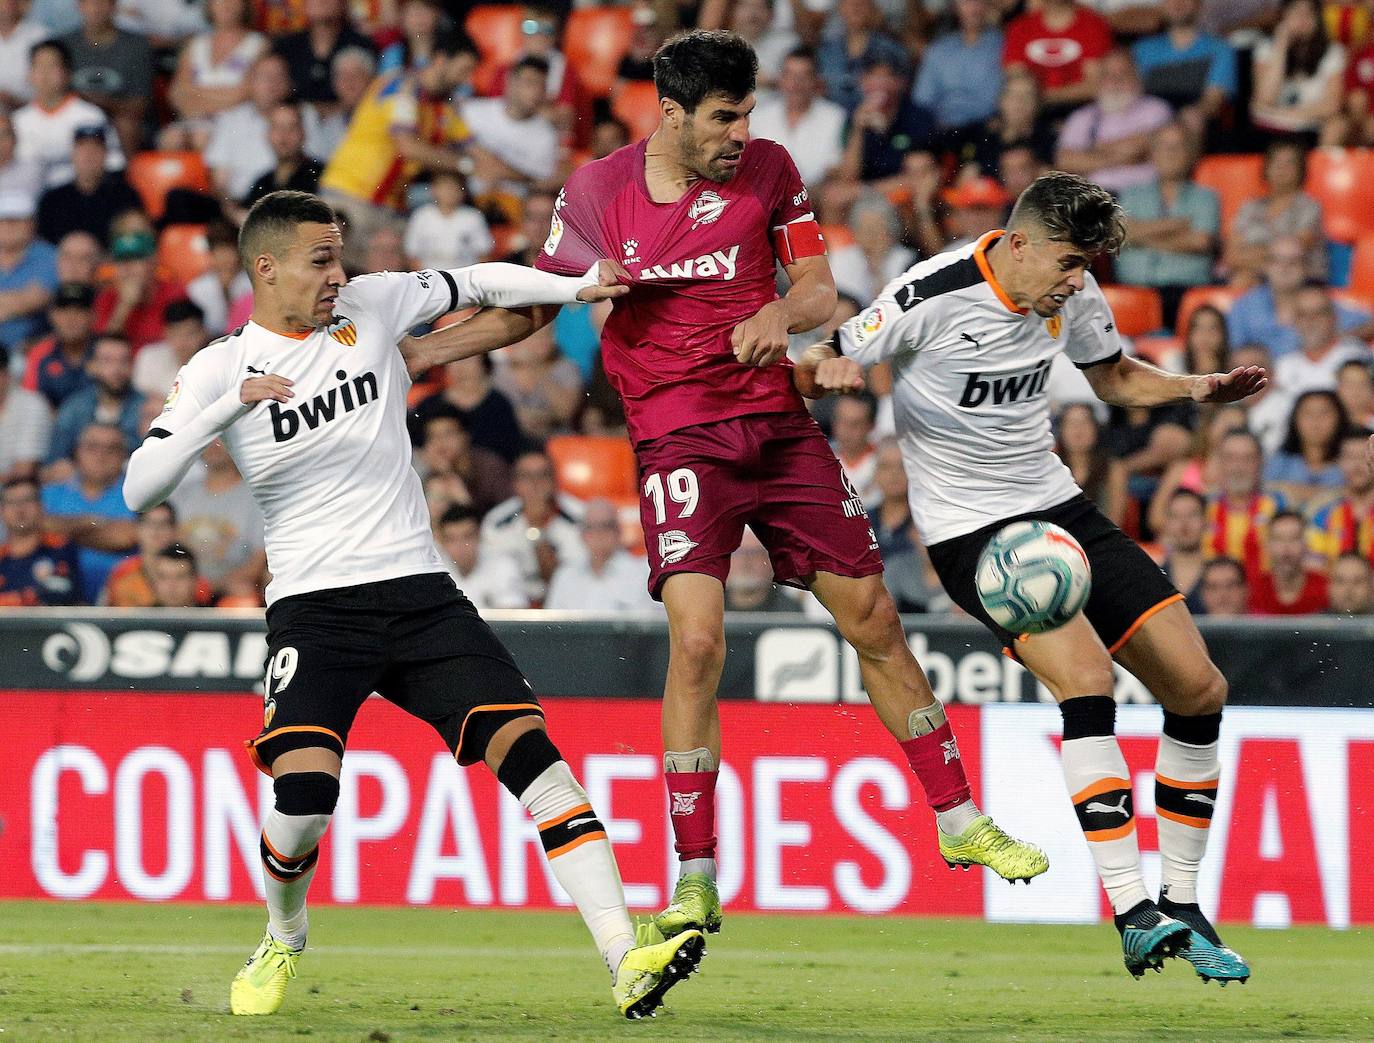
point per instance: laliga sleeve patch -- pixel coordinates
(555, 235)
(797, 240)
(170, 403)
(869, 323)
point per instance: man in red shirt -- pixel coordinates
(1288, 587)
(134, 304)
(699, 216)
(1062, 44)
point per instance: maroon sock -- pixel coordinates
(692, 809)
(935, 759)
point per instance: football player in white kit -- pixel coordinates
(310, 398)
(970, 335)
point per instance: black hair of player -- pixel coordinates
(275, 215)
(459, 513)
(705, 61)
(1072, 210)
(57, 47)
(181, 310)
(1292, 443)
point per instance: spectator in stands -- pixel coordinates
(753, 20)
(1354, 125)
(485, 412)
(1062, 44)
(1267, 314)
(89, 507)
(92, 198)
(18, 34)
(1206, 343)
(1239, 504)
(1101, 476)
(1173, 224)
(36, 567)
(536, 218)
(1187, 66)
(1305, 465)
(56, 366)
(223, 283)
(448, 233)
(1350, 590)
(174, 578)
(609, 134)
(385, 252)
(885, 125)
(563, 100)
(749, 587)
(1017, 168)
(47, 125)
(112, 68)
(647, 36)
(1284, 211)
(404, 127)
(107, 398)
(1181, 542)
(906, 568)
(976, 206)
(310, 51)
(212, 73)
(1299, 73)
(1266, 413)
(800, 118)
(537, 527)
(514, 146)
(1109, 139)
(487, 580)
(543, 386)
(134, 305)
(184, 333)
(294, 169)
(851, 437)
(1355, 389)
(1019, 123)
(222, 524)
(130, 583)
(240, 149)
(166, 23)
(420, 22)
(1288, 587)
(28, 272)
(25, 426)
(1346, 523)
(860, 45)
(447, 449)
(607, 579)
(352, 72)
(877, 256)
(961, 72)
(79, 258)
(1224, 592)
(17, 176)
(1324, 348)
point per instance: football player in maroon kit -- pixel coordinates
(699, 216)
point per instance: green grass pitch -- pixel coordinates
(140, 972)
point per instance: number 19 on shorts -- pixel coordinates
(680, 487)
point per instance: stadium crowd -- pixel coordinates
(134, 135)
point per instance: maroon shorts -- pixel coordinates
(775, 472)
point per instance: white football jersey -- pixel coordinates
(969, 373)
(330, 469)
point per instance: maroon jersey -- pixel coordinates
(700, 266)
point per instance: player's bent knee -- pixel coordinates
(529, 756)
(700, 646)
(498, 746)
(306, 793)
(876, 629)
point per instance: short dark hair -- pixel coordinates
(276, 214)
(460, 512)
(705, 61)
(806, 54)
(1287, 514)
(1189, 494)
(1072, 210)
(453, 43)
(165, 505)
(182, 309)
(1361, 364)
(23, 479)
(531, 61)
(178, 552)
(1225, 563)
(1288, 143)
(57, 47)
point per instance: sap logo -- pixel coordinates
(1015, 387)
(83, 652)
(717, 264)
(286, 423)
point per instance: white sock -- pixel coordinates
(1186, 780)
(289, 850)
(955, 820)
(582, 859)
(1100, 786)
(697, 865)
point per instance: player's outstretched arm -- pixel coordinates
(489, 329)
(1126, 381)
(501, 285)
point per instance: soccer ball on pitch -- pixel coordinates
(1032, 577)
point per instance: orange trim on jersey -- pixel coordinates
(980, 255)
(297, 728)
(1101, 786)
(488, 709)
(1205, 784)
(597, 835)
(1141, 620)
(1115, 833)
(581, 809)
(289, 336)
(256, 758)
(1186, 820)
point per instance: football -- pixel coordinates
(1032, 577)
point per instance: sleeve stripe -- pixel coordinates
(1115, 356)
(157, 432)
(452, 290)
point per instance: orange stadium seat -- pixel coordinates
(1162, 351)
(495, 29)
(595, 40)
(1339, 179)
(636, 105)
(837, 236)
(506, 239)
(591, 466)
(1236, 179)
(1362, 267)
(1220, 297)
(183, 253)
(1137, 309)
(154, 174)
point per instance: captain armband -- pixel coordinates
(797, 240)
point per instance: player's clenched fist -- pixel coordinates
(762, 339)
(821, 372)
(612, 281)
(273, 387)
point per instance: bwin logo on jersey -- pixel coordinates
(348, 396)
(1014, 387)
